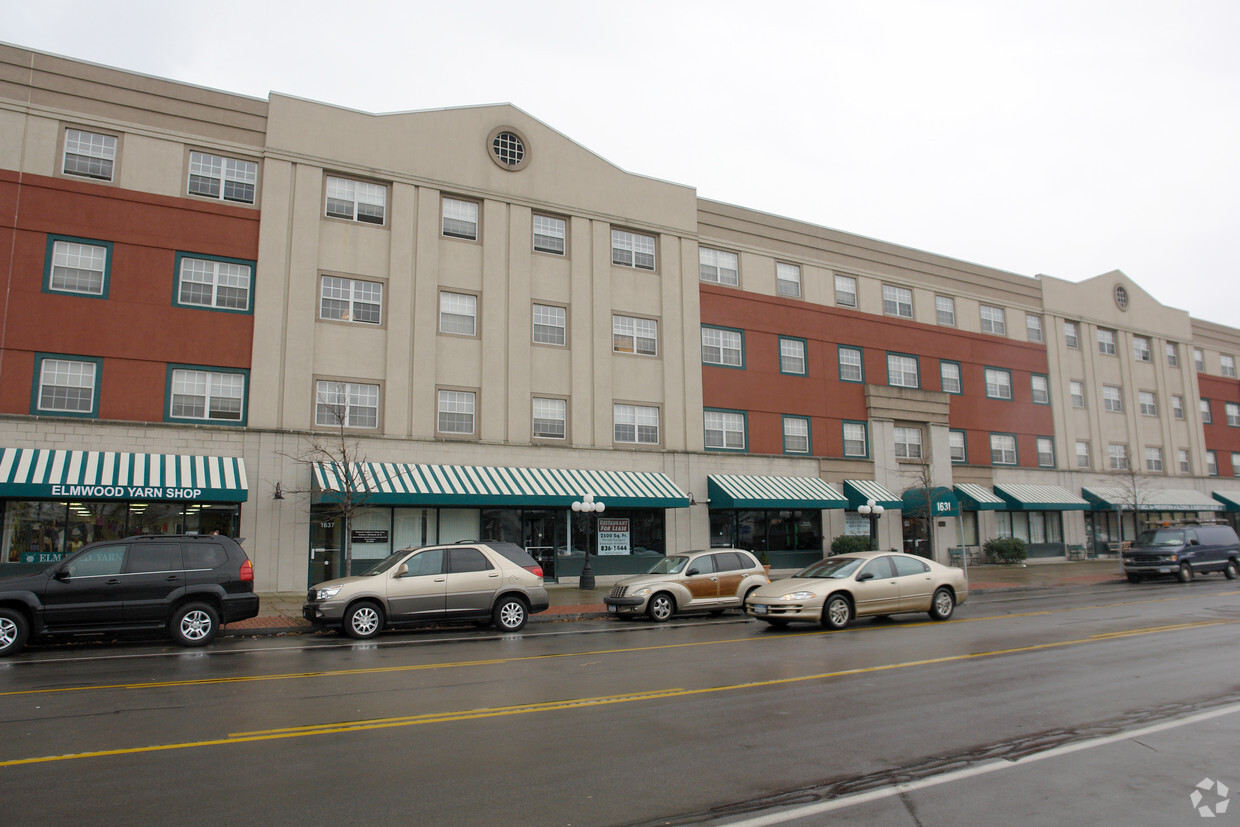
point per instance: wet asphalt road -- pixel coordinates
(609, 722)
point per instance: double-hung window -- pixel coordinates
(1177, 406)
(1148, 402)
(636, 424)
(1207, 418)
(220, 284)
(796, 435)
(718, 266)
(1106, 342)
(851, 369)
(1186, 465)
(1077, 391)
(792, 356)
(1118, 456)
(89, 154)
(902, 371)
(1199, 360)
(1033, 327)
(356, 200)
(725, 431)
(787, 279)
(632, 250)
(346, 404)
(206, 395)
(351, 300)
(457, 412)
(549, 235)
(1211, 464)
(1070, 335)
(945, 310)
(1041, 389)
(1046, 452)
(458, 313)
(1173, 355)
(957, 446)
(550, 325)
(721, 346)
(67, 385)
(460, 219)
(1141, 349)
(907, 443)
(998, 383)
(949, 375)
(1002, 449)
(1233, 414)
(1112, 399)
(845, 291)
(1227, 365)
(993, 320)
(550, 418)
(897, 301)
(226, 179)
(1082, 454)
(632, 335)
(78, 266)
(855, 439)
(1153, 459)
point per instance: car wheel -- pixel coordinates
(1229, 571)
(363, 621)
(510, 614)
(13, 631)
(661, 607)
(942, 605)
(1185, 574)
(837, 612)
(1134, 578)
(194, 624)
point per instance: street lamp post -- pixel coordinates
(872, 511)
(589, 506)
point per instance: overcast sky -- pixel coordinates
(1069, 138)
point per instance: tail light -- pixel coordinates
(534, 570)
(247, 572)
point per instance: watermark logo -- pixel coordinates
(1217, 792)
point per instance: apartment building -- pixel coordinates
(225, 313)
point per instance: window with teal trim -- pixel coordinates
(66, 385)
(959, 447)
(950, 376)
(78, 266)
(202, 394)
(852, 367)
(796, 435)
(856, 441)
(792, 356)
(723, 346)
(725, 431)
(213, 283)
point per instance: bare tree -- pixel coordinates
(922, 473)
(1135, 495)
(340, 457)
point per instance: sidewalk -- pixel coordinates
(280, 613)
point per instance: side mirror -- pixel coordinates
(692, 572)
(864, 576)
(61, 574)
(1194, 542)
(402, 570)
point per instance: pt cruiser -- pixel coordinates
(713, 580)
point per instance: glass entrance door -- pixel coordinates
(543, 535)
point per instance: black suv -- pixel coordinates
(1183, 550)
(188, 584)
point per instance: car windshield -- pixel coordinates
(1162, 537)
(833, 567)
(669, 565)
(387, 563)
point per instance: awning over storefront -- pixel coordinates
(974, 497)
(387, 483)
(943, 503)
(1229, 499)
(35, 473)
(1151, 499)
(1039, 498)
(860, 492)
(746, 491)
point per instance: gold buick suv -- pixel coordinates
(713, 580)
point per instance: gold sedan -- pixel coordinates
(838, 589)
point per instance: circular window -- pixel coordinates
(1121, 297)
(508, 148)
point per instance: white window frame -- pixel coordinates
(366, 202)
(460, 219)
(1148, 403)
(1233, 414)
(1082, 454)
(642, 419)
(792, 359)
(215, 396)
(1141, 349)
(550, 418)
(845, 290)
(1003, 446)
(227, 282)
(550, 325)
(945, 310)
(1227, 365)
(796, 435)
(1071, 335)
(949, 377)
(998, 383)
(1186, 465)
(858, 437)
(788, 279)
(900, 369)
(349, 403)
(1046, 452)
(74, 260)
(1033, 327)
(957, 447)
(221, 178)
(897, 301)
(724, 431)
(907, 442)
(1199, 360)
(1211, 464)
(72, 376)
(634, 250)
(1076, 390)
(723, 347)
(456, 412)
(1040, 385)
(1112, 399)
(550, 235)
(1153, 459)
(458, 313)
(1173, 355)
(994, 320)
(1177, 406)
(1107, 341)
(719, 266)
(847, 366)
(634, 335)
(1207, 415)
(1117, 456)
(354, 301)
(93, 155)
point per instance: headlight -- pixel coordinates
(1175, 557)
(328, 593)
(642, 592)
(797, 596)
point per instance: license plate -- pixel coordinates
(1164, 570)
(758, 609)
(612, 609)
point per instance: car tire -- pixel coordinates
(942, 604)
(661, 607)
(194, 624)
(837, 612)
(510, 614)
(1185, 574)
(14, 628)
(363, 621)
(1229, 571)
(1134, 578)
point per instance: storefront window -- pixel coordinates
(781, 538)
(371, 533)
(156, 518)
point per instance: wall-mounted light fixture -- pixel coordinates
(279, 495)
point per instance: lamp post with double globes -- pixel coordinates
(587, 505)
(871, 511)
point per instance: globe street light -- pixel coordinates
(871, 511)
(588, 505)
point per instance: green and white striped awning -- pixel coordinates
(36, 473)
(391, 483)
(1038, 498)
(749, 491)
(860, 492)
(1229, 499)
(1151, 499)
(974, 497)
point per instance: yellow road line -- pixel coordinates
(551, 706)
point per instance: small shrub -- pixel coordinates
(850, 543)
(1005, 550)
